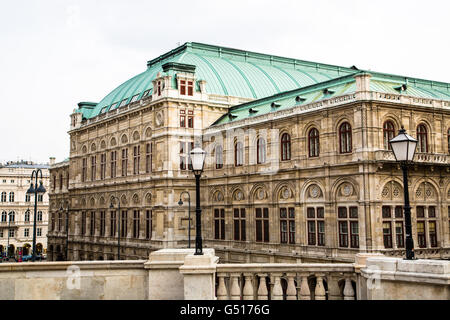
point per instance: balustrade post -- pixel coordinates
(248, 293)
(262, 290)
(222, 289)
(235, 289)
(291, 291)
(277, 291)
(305, 294)
(319, 292)
(349, 293)
(334, 293)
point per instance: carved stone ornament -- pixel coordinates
(347, 190)
(314, 191)
(286, 193)
(239, 195)
(260, 194)
(159, 118)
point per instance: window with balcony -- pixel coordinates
(393, 218)
(422, 137)
(388, 134)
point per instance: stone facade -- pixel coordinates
(326, 204)
(17, 209)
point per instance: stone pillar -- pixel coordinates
(199, 273)
(164, 279)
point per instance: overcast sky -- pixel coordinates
(55, 54)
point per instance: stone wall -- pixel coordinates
(90, 280)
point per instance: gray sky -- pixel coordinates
(55, 54)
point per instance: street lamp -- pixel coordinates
(404, 148)
(189, 215)
(9, 228)
(67, 229)
(36, 191)
(111, 206)
(198, 160)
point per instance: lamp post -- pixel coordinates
(36, 191)
(198, 159)
(189, 215)
(111, 206)
(9, 228)
(67, 230)
(404, 148)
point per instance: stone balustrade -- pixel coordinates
(306, 281)
(437, 158)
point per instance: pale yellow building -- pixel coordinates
(298, 165)
(17, 209)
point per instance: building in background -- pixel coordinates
(298, 166)
(17, 209)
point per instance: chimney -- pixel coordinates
(52, 160)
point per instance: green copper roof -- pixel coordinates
(228, 72)
(333, 88)
(251, 75)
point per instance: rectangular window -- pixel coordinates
(386, 212)
(342, 212)
(182, 156)
(354, 234)
(103, 166)
(148, 158)
(148, 224)
(83, 223)
(432, 233)
(239, 224)
(421, 234)
(183, 87)
(84, 170)
(123, 224)
(102, 223)
(420, 212)
(431, 212)
(190, 121)
(190, 88)
(26, 232)
(343, 234)
(219, 224)
(400, 238)
(113, 224)
(38, 232)
(93, 167)
(136, 159)
(113, 163)
(311, 233)
(262, 224)
(399, 212)
(321, 233)
(92, 223)
(136, 224)
(387, 234)
(182, 121)
(124, 162)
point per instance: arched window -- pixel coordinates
(345, 138)
(285, 147)
(388, 134)
(11, 197)
(4, 215)
(12, 216)
(219, 157)
(27, 216)
(238, 154)
(39, 216)
(261, 150)
(422, 144)
(3, 199)
(313, 142)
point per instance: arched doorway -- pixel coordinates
(26, 249)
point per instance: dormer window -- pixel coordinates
(159, 88)
(187, 86)
(124, 102)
